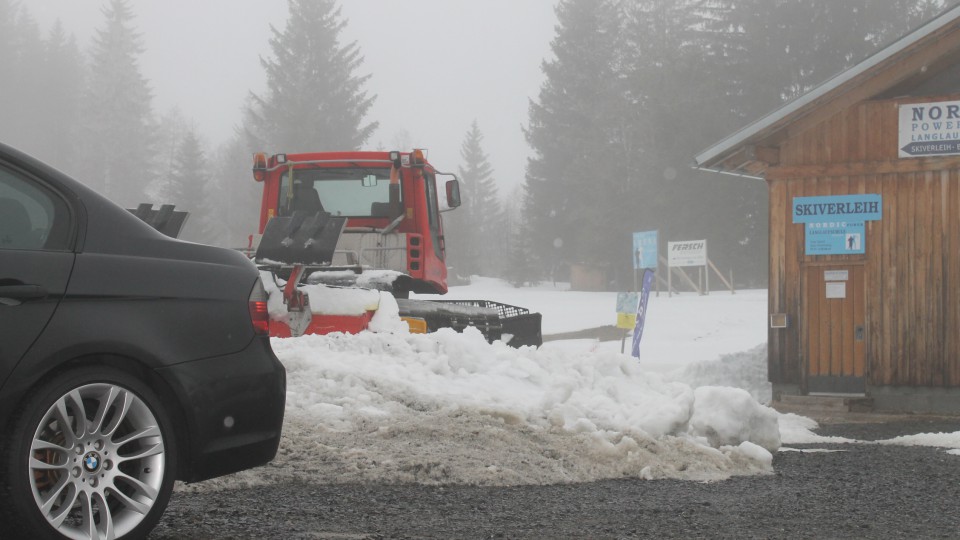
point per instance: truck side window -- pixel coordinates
(433, 212)
(31, 217)
(285, 203)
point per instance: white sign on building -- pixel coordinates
(687, 253)
(929, 129)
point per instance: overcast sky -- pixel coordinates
(435, 65)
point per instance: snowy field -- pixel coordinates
(450, 408)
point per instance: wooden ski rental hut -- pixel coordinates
(863, 175)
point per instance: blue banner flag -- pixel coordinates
(648, 276)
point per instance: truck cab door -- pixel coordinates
(433, 216)
(36, 258)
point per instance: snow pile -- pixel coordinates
(387, 317)
(367, 279)
(729, 416)
(330, 300)
(450, 408)
(936, 440)
(796, 429)
(746, 370)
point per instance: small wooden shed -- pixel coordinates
(863, 175)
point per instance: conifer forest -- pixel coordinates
(631, 91)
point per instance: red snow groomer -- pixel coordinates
(366, 220)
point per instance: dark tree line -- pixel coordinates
(636, 88)
(88, 110)
(633, 90)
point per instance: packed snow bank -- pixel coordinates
(730, 416)
(936, 440)
(796, 429)
(451, 408)
(323, 299)
(745, 369)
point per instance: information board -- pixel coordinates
(687, 253)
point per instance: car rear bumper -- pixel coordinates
(236, 403)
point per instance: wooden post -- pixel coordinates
(729, 284)
(670, 270)
(669, 281)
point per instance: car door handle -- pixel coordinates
(22, 292)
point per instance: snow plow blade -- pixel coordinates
(495, 321)
(166, 220)
(303, 238)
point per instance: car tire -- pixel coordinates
(109, 476)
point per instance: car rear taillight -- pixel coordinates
(259, 314)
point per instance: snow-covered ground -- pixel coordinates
(451, 408)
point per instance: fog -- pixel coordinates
(595, 107)
(435, 65)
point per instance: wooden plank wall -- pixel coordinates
(912, 260)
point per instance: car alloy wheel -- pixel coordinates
(99, 458)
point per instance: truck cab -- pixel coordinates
(390, 201)
(367, 220)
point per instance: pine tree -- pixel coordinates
(576, 133)
(314, 100)
(521, 266)
(781, 49)
(8, 61)
(170, 130)
(21, 59)
(61, 84)
(40, 84)
(475, 232)
(670, 71)
(188, 174)
(117, 117)
(234, 210)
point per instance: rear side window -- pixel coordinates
(31, 216)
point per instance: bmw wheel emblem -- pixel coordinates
(91, 462)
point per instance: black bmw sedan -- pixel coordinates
(128, 360)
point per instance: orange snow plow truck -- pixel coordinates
(338, 227)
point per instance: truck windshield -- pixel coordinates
(350, 191)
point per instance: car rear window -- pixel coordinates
(31, 216)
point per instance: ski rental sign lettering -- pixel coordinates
(836, 225)
(929, 129)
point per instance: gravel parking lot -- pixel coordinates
(852, 491)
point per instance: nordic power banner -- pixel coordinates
(641, 311)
